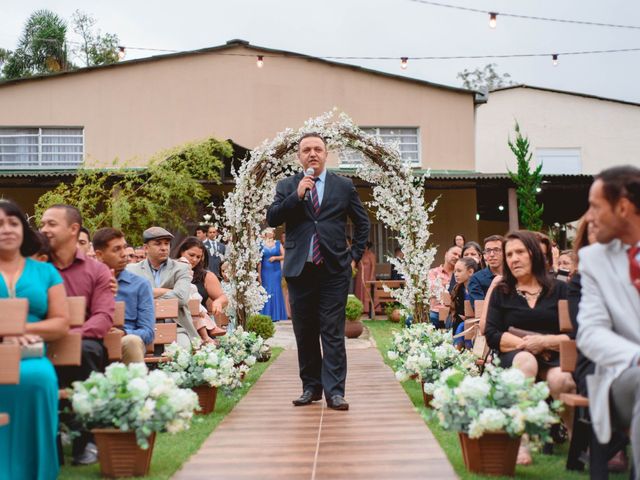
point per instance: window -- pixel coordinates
(407, 138)
(558, 161)
(41, 148)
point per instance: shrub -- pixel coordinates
(354, 308)
(261, 325)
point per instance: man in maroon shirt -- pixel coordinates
(85, 277)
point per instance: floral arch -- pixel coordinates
(398, 201)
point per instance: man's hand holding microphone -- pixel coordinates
(306, 184)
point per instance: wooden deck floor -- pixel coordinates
(266, 437)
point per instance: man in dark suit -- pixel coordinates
(216, 250)
(317, 266)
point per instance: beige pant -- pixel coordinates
(133, 349)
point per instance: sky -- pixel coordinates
(393, 28)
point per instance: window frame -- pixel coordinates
(417, 163)
(41, 159)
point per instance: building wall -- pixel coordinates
(606, 132)
(131, 111)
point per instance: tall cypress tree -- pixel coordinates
(528, 182)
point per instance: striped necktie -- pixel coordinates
(634, 266)
(317, 255)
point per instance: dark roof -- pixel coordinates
(229, 45)
(565, 92)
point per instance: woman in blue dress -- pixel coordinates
(271, 276)
(28, 447)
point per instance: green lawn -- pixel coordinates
(546, 467)
(171, 451)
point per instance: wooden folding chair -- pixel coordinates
(67, 351)
(165, 333)
(13, 318)
(113, 338)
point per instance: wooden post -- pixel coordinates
(513, 210)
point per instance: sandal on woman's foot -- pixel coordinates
(217, 332)
(524, 456)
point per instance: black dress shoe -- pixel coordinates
(306, 398)
(338, 402)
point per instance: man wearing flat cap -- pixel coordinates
(169, 278)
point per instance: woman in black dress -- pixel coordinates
(522, 319)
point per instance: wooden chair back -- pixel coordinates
(194, 307)
(468, 309)
(13, 316)
(67, 351)
(564, 319)
(380, 297)
(443, 313)
(118, 315)
(9, 363)
(568, 355)
(479, 308)
(165, 333)
(166, 308)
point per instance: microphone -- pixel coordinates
(307, 193)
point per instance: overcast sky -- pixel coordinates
(393, 28)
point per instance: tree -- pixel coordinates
(485, 79)
(95, 48)
(42, 48)
(167, 192)
(528, 183)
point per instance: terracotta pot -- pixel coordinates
(353, 328)
(426, 397)
(120, 455)
(395, 315)
(207, 398)
(491, 454)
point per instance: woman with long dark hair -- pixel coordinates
(213, 298)
(473, 250)
(522, 319)
(28, 448)
(464, 269)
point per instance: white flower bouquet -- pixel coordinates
(130, 398)
(242, 346)
(501, 400)
(203, 364)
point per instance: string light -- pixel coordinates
(493, 19)
(260, 61)
(501, 207)
(404, 62)
(554, 59)
(121, 53)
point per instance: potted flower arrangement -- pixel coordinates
(394, 312)
(353, 327)
(262, 325)
(204, 368)
(491, 413)
(243, 347)
(427, 358)
(125, 407)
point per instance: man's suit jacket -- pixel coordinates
(216, 253)
(609, 325)
(177, 277)
(340, 200)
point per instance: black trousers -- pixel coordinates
(318, 300)
(94, 359)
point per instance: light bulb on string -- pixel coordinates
(260, 61)
(404, 61)
(501, 208)
(554, 59)
(121, 53)
(493, 19)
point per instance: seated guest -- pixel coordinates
(140, 254)
(201, 232)
(168, 278)
(547, 250)
(90, 279)
(481, 281)
(28, 447)
(207, 284)
(442, 275)
(463, 271)
(459, 240)
(43, 253)
(473, 250)
(134, 291)
(395, 275)
(129, 252)
(84, 240)
(568, 262)
(609, 312)
(522, 319)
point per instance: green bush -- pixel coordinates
(261, 325)
(354, 308)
